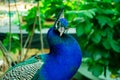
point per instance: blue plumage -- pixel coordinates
(64, 58)
(61, 63)
(64, 22)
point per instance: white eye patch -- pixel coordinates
(61, 30)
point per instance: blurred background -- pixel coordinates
(94, 23)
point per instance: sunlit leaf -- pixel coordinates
(97, 55)
(16, 37)
(79, 19)
(88, 14)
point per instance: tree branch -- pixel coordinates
(31, 36)
(40, 27)
(10, 40)
(5, 54)
(21, 35)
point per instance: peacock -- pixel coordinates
(61, 63)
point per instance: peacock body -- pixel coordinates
(61, 63)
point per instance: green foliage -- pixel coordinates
(15, 45)
(30, 19)
(97, 25)
(47, 13)
(96, 69)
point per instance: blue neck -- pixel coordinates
(64, 58)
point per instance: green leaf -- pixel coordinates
(103, 33)
(87, 60)
(79, 19)
(88, 13)
(88, 27)
(96, 37)
(110, 23)
(109, 32)
(106, 54)
(102, 20)
(96, 70)
(115, 45)
(5, 42)
(110, 11)
(110, 43)
(103, 61)
(16, 37)
(80, 29)
(72, 12)
(92, 11)
(97, 55)
(106, 44)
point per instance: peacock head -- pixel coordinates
(61, 24)
(56, 33)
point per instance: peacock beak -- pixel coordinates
(61, 30)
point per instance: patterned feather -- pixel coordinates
(24, 70)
